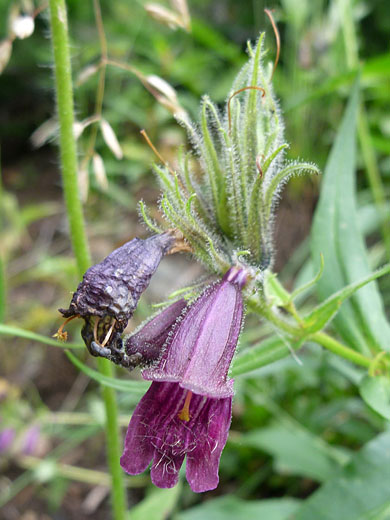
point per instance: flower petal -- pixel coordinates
(179, 350)
(165, 469)
(138, 450)
(215, 346)
(203, 461)
(157, 431)
(202, 347)
(150, 338)
(152, 426)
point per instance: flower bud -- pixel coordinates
(147, 343)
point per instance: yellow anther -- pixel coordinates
(62, 335)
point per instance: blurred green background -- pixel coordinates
(293, 427)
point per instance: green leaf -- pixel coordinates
(335, 233)
(372, 71)
(294, 168)
(213, 169)
(376, 393)
(359, 489)
(378, 513)
(310, 283)
(9, 330)
(158, 505)
(34, 212)
(322, 314)
(295, 450)
(233, 508)
(133, 387)
(269, 350)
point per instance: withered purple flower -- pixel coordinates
(109, 292)
(187, 409)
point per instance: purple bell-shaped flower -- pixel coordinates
(187, 409)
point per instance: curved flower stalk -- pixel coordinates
(187, 409)
(240, 152)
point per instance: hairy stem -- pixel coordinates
(341, 350)
(63, 80)
(87, 476)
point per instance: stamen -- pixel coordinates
(184, 414)
(61, 335)
(95, 328)
(109, 333)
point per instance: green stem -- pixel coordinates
(77, 419)
(113, 443)
(341, 350)
(261, 308)
(87, 476)
(297, 333)
(63, 78)
(26, 479)
(10, 330)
